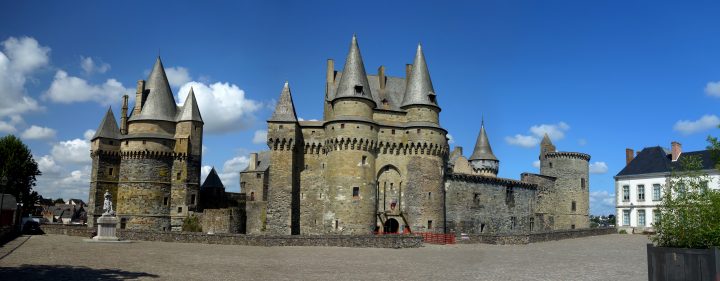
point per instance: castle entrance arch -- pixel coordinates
(391, 226)
(390, 184)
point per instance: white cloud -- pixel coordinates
(19, 60)
(223, 106)
(706, 122)
(204, 149)
(522, 140)
(37, 132)
(536, 164)
(70, 89)
(582, 142)
(177, 76)
(602, 203)
(260, 137)
(89, 66)
(47, 165)
(6, 127)
(713, 89)
(74, 151)
(451, 140)
(90, 133)
(598, 168)
(554, 131)
(230, 174)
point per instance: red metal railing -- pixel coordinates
(437, 238)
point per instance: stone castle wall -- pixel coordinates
(486, 205)
(571, 171)
(144, 193)
(101, 181)
(226, 220)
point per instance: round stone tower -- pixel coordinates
(426, 152)
(351, 141)
(569, 205)
(147, 151)
(483, 161)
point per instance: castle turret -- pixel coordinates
(351, 140)
(483, 161)
(420, 100)
(186, 168)
(284, 140)
(148, 152)
(105, 154)
(569, 203)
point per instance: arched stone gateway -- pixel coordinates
(391, 226)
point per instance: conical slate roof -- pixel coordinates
(190, 111)
(483, 151)
(212, 180)
(285, 109)
(420, 89)
(546, 140)
(160, 103)
(108, 127)
(354, 82)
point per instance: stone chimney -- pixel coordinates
(124, 115)
(381, 76)
(330, 75)
(676, 149)
(139, 97)
(408, 69)
(629, 155)
(253, 162)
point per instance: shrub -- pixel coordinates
(622, 231)
(191, 224)
(689, 209)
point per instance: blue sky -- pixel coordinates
(599, 76)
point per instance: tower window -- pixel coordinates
(418, 131)
(573, 207)
(179, 210)
(320, 195)
(513, 222)
(582, 183)
(280, 126)
(258, 175)
(110, 171)
(252, 196)
(302, 195)
(509, 196)
(126, 142)
(392, 131)
(192, 199)
(429, 195)
(178, 175)
(429, 226)
(550, 163)
(165, 201)
(112, 143)
(356, 192)
(342, 126)
(364, 160)
(144, 142)
(337, 224)
(359, 89)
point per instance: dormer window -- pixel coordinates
(358, 89)
(433, 98)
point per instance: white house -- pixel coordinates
(640, 185)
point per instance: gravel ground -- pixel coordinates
(58, 257)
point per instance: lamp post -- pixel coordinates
(3, 182)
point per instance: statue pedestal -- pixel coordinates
(106, 228)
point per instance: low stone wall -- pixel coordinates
(532, 237)
(358, 241)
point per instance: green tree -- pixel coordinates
(689, 209)
(192, 224)
(20, 169)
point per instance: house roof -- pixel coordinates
(658, 160)
(108, 127)
(420, 89)
(264, 162)
(160, 102)
(284, 109)
(212, 181)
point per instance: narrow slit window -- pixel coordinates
(356, 192)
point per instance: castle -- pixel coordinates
(151, 163)
(379, 161)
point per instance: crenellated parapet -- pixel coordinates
(413, 148)
(281, 144)
(314, 148)
(491, 180)
(106, 153)
(146, 154)
(569, 155)
(361, 144)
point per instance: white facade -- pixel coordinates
(637, 197)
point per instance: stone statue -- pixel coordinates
(107, 206)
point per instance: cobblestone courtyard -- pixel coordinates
(58, 257)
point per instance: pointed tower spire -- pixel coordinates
(190, 110)
(546, 140)
(108, 127)
(285, 109)
(546, 145)
(353, 82)
(482, 151)
(212, 180)
(160, 103)
(420, 89)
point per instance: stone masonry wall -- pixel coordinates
(101, 181)
(478, 204)
(225, 220)
(144, 193)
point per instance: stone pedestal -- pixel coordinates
(106, 225)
